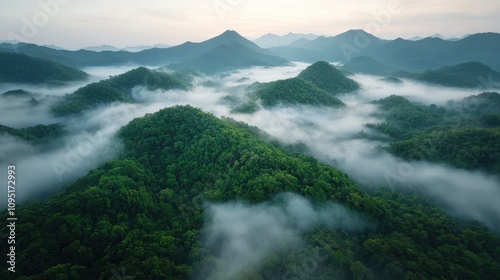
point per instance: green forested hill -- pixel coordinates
(472, 148)
(16, 93)
(151, 79)
(316, 86)
(464, 134)
(477, 105)
(289, 92)
(326, 77)
(116, 89)
(295, 91)
(466, 75)
(141, 216)
(20, 68)
(36, 134)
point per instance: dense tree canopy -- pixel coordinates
(464, 133)
(20, 68)
(116, 89)
(142, 215)
(289, 92)
(465, 75)
(326, 77)
(295, 91)
(36, 134)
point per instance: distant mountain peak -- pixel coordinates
(354, 32)
(230, 32)
(272, 40)
(229, 35)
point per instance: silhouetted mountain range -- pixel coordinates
(20, 68)
(272, 40)
(230, 51)
(243, 53)
(127, 49)
(413, 56)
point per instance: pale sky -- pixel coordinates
(75, 24)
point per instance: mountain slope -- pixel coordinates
(341, 47)
(289, 92)
(466, 75)
(38, 134)
(116, 89)
(20, 68)
(463, 134)
(326, 77)
(433, 53)
(230, 57)
(143, 215)
(367, 65)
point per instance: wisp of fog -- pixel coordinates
(243, 235)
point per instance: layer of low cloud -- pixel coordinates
(332, 136)
(241, 236)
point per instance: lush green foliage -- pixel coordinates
(294, 91)
(313, 86)
(248, 107)
(477, 105)
(36, 134)
(465, 148)
(142, 214)
(20, 68)
(465, 134)
(326, 77)
(150, 79)
(116, 89)
(466, 75)
(89, 97)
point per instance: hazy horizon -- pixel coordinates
(126, 23)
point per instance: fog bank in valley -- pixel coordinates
(242, 235)
(332, 136)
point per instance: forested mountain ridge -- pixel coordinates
(116, 89)
(464, 134)
(143, 213)
(288, 92)
(294, 91)
(317, 85)
(20, 68)
(465, 75)
(37, 134)
(326, 77)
